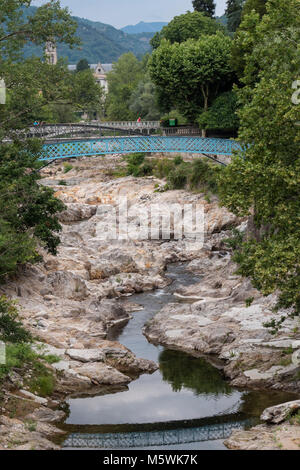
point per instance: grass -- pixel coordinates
(67, 167)
(21, 356)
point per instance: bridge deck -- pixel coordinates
(145, 144)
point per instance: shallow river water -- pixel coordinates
(186, 404)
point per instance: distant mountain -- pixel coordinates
(142, 27)
(100, 42)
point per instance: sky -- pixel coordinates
(121, 13)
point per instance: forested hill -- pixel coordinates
(100, 42)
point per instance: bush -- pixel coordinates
(11, 330)
(178, 177)
(222, 113)
(198, 175)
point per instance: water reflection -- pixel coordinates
(196, 374)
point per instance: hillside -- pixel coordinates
(143, 27)
(100, 42)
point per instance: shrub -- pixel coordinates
(11, 330)
(67, 167)
(178, 177)
(221, 114)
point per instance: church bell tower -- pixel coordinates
(51, 52)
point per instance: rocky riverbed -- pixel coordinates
(72, 301)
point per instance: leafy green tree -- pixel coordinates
(208, 7)
(122, 81)
(27, 209)
(82, 65)
(259, 6)
(265, 183)
(191, 25)
(50, 21)
(252, 13)
(86, 95)
(233, 13)
(143, 101)
(190, 75)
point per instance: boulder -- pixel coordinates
(68, 285)
(86, 355)
(107, 310)
(279, 413)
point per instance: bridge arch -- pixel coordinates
(67, 148)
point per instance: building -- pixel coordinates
(51, 52)
(100, 72)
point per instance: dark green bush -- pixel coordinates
(221, 114)
(11, 329)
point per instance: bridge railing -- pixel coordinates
(146, 144)
(131, 124)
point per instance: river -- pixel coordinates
(186, 404)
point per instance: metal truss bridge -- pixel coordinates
(93, 128)
(159, 438)
(67, 148)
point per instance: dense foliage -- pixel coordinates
(191, 25)
(34, 88)
(266, 181)
(27, 209)
(143, 100)
(11, 329)
(222, 114)
(208, 7)
(233, 14)
(188, 76)
(122, 81)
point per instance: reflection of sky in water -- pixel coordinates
(148, 399)
(151, 398)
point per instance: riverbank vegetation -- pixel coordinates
(28, 363)
(198, 176)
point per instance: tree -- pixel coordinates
(259, 6)
(143, 101)
(190, 75)
(208, 7)
(252, 13)
(27, 209)
(233, 13)
(122, 81)
(188, 26)
(82, 65)
(265, 182)
(50, 21)
(86, 95)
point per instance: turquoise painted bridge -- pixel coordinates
(53, 150)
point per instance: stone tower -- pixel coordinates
(51, 52)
